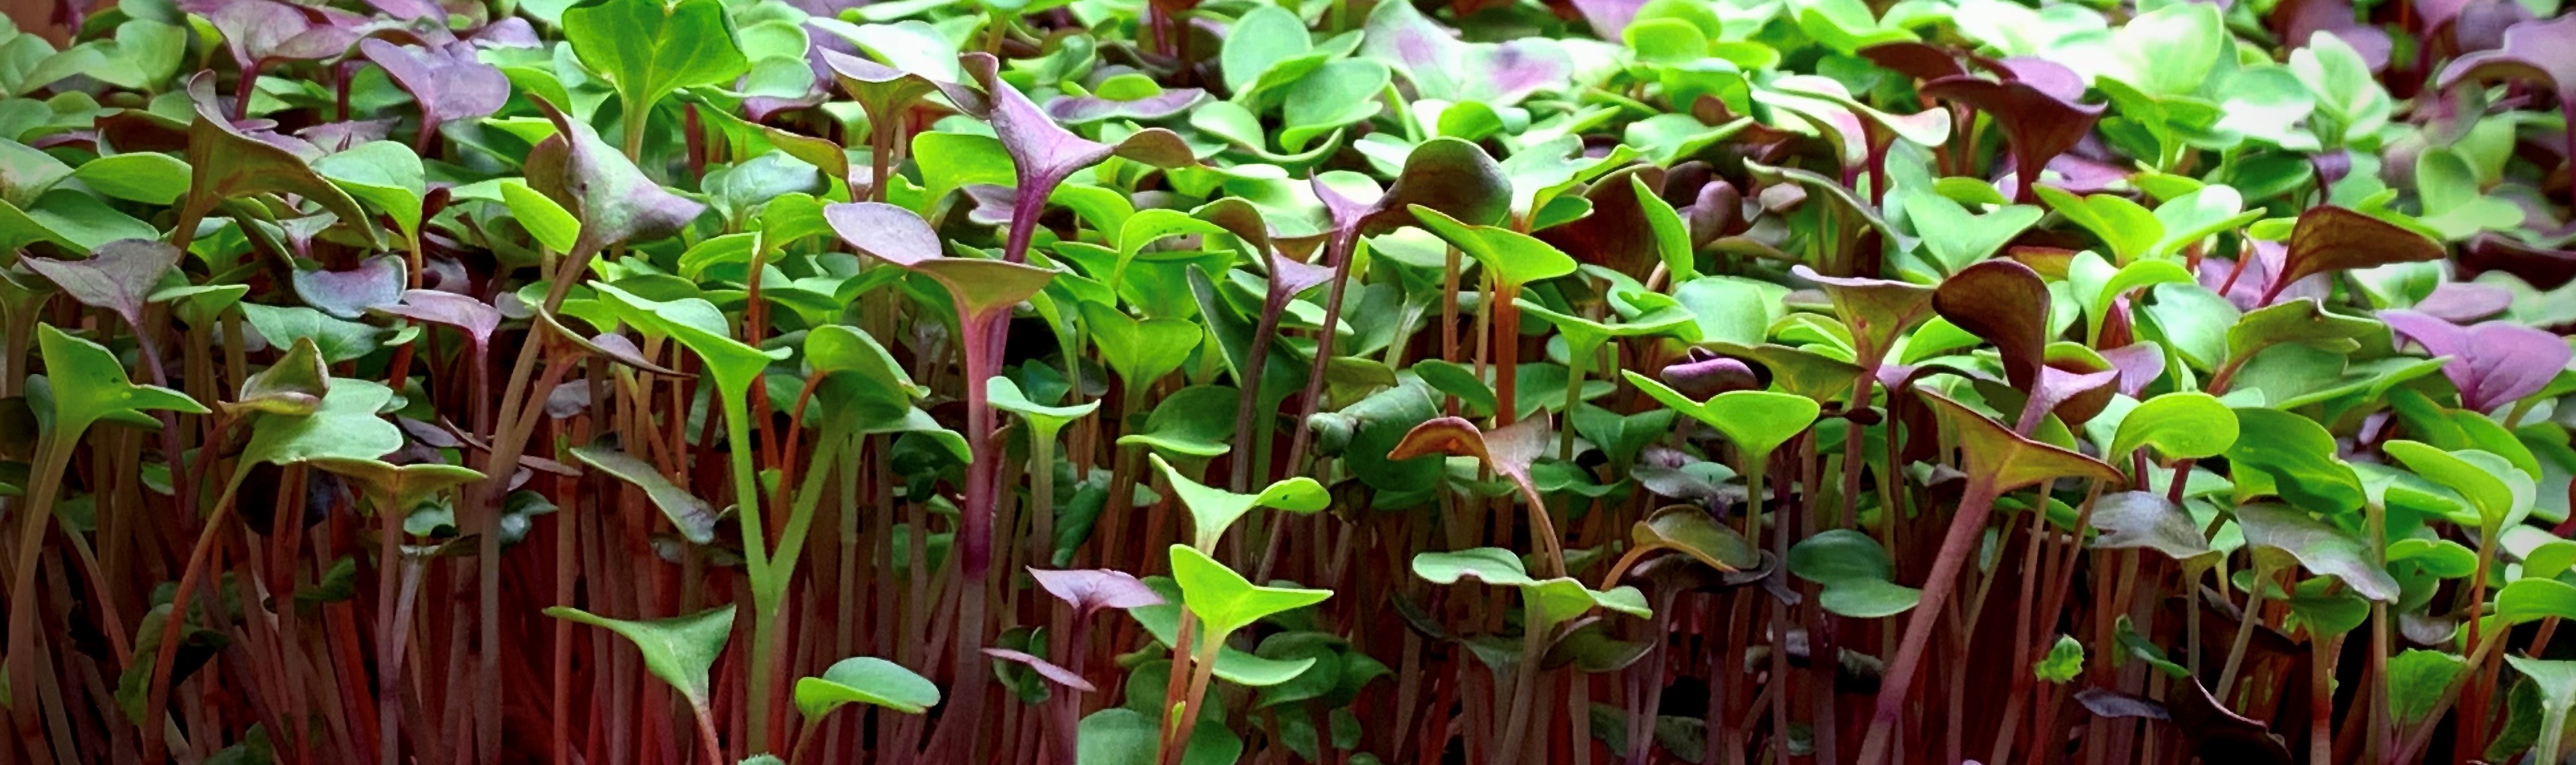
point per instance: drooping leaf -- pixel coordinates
(2322, 549)
(1093, 589)
(679, 650)
(694, 517)
(2144, 519)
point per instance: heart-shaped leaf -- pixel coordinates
(1213, 510)
(1995, 453)
(294, 385)
(1756, 421)
(345, 426)
(1509, 257)
(2493, 364)
(87, 384)
(606, 191)
(2299, 456)
(1556, 600)
(2501, 494)
(1093, 589)
(1223, 601)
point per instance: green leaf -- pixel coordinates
(2184, 424)
(865, 680)
(2299, 455)
(1005, 395)
(680, 650)
(153, 179)
(292, 386)
(2064, 661)
(399, 488)
(1213, 510)
(1123, 736)
(1196, 421)
(88, 385)
(2135, 519)
(2416, 678)
(1756, 421)
(648, 49)
(703, 329)
(1958, 239)
(1693, 532)
(1509, 257)
(1556, 599)
(694, 517)
(2274, 532)
(2557, 683)
(345, 426)
(1141, 351)
(384, 175)
(2501, 494)
(2129, 229)
(1858, 578)
(1223, 601)
(550, 223)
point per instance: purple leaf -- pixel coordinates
(2037, 110)
(511, 32)
(1044, 668)
(230, 165)
(1876, 310)
(2257, 276)
(1921, 61)
(1441, 66)
(475, 318)
(118, 276)
(1704, 375)
(2538, 51)
(2299, 21)
(2139, 365)
(1088, 109)
(610, 195)
(1092, 589)
(2329, 238)
(2492, 364)
(1043, 153)
(890, 233)
(2005, 303)
(1609, 18)
(348, 294)
(336, 137)
(447, 80)
(2461, 302)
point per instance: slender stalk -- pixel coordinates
(1975, 504)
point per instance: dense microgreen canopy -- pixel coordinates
(1935, 380)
